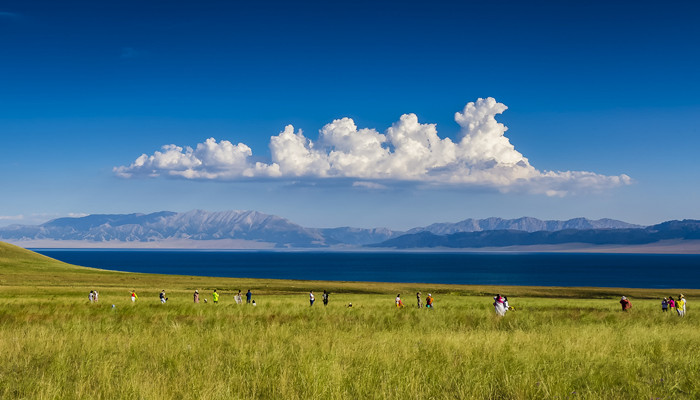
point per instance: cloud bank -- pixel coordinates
(409, 150)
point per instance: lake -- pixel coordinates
(520, 269)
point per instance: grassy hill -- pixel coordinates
(559, 342)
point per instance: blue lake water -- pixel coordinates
(536, 269)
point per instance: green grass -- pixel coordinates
(560, 343)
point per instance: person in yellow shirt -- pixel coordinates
(215, 296)
(680, 306)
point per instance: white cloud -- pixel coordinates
(11, 217)
(369, 185)
(407, 151)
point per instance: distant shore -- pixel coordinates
(661, 247)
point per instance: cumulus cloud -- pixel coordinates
(408, 151)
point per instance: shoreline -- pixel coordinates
(661, 247)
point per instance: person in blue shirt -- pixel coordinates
(248, 296)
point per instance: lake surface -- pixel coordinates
(536, 269)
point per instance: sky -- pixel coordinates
(364, 113)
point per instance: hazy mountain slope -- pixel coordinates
(683, 230)
(526, 224)
(193, 225)
(256, 229)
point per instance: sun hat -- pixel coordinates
(624, 298)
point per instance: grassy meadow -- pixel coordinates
(559, 343)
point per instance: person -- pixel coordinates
(311, 297)
(95, 296)
(398, 301)
(196, 296)
(162, 297)
(498, 304)
(685, 303)
(680, 306)
(664, 305)
(429, 301)
(254, 303)
(349, 304)
(420, 305)
(506, 306)
(248, 296)
(91, 297)
(325, 298)
(671, 302)
(134, 297)
(239, 298)
(215, 297)
(625, 303)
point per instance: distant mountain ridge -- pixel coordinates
(194, 225)
(199, 226)
(526, 224)
(671, 230)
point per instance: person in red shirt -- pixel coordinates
(625, 303)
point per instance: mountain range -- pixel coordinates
(196, 225)
(671, 230)
(253, 229)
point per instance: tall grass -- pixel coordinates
(57, 345)
(560, 343)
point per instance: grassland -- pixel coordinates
(560, 343)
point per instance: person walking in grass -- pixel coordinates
(671, 303)
(91, 297)
(248, 296)
(239, 298)
(685, 303)
(429, 301)
(163, 299)
(196, 296)
(499, 305)
(420, 304)
(215, 297)
(398, 301)
(680, 306)
(664, 305)
(134, 297)
(311, 297)
(325, 298)
(95, 296)
(625, 303)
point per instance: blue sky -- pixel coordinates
(595, 92)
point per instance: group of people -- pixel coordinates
(214, 296)
(500, 304)
(312, 298)
(679, 305)
(666, 303)
(238, 298)
(428, 301)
